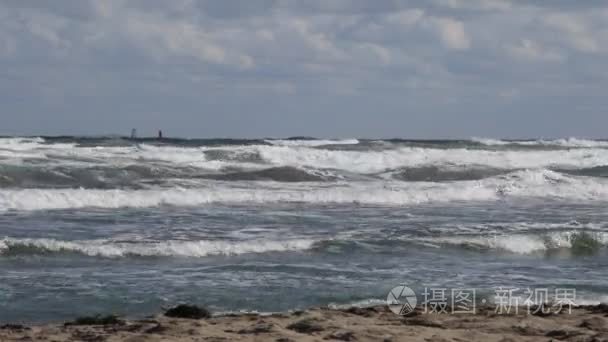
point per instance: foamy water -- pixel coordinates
(128, 226)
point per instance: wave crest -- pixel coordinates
(311, 142)
(521, 184)
(567, 142)
(105, 248)
(575, 241)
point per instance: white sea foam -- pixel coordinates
(521, 184)
(20, 142)
(581, 142)
(315, 142)
(364, 303)
(16, 148)
(591, 300)
(72, 156)
(521, 244)
(378, 161)
(302, 156)
(490, 141)
(34, 143)
(567, 142)
(201, 248)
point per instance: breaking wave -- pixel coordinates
(143, 176)
(47, 173)
(578, 242)
(20, 142)
(575, 241)
(366, 162)
(176, 248)
(521, 184)
(354, 157)
(311, 142)
(571, 242)
(568, 142)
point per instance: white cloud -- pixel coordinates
(575, 30)
(529, 50)
(381, 54)
(181, 38)
(452, 33)
(315, 40)
(501, 5)
(406, 17)
(178, 38)
(397, 51)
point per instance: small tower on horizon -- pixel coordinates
(160, 134)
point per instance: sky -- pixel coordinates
(324, 68)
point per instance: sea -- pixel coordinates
(112, 225)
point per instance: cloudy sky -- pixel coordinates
(332, 68)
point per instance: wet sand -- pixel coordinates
(321, 324)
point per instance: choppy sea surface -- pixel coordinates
(128, 226)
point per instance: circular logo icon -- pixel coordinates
(401, 300)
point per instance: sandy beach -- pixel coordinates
(355, 324)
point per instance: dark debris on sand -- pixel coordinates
(96, 320)
(365, 311)
(306, 326)
(16, 327)
(188, 311)
(600, 308)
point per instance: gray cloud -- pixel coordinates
(449, 68)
